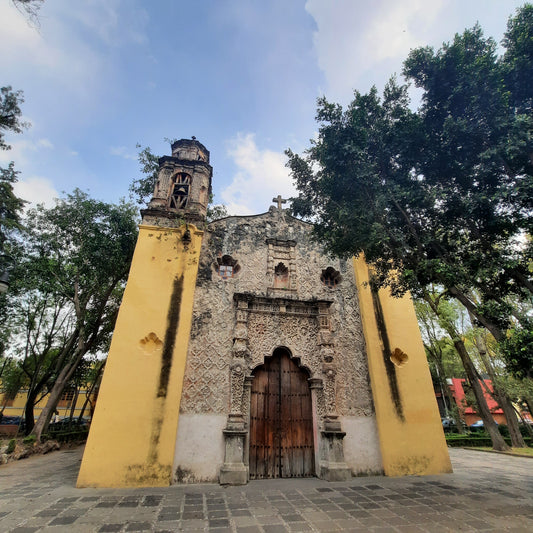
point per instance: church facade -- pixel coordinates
(252, 354)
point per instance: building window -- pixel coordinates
(281, 277)
(227, 267)
(66, 398)
(179, 190)
(330, 277)
(225, 271)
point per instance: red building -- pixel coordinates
(469, 414)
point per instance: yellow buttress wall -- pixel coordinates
(133, 433)
(409, 425)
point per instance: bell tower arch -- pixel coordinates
(183, 186)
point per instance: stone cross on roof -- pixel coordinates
(279, 200)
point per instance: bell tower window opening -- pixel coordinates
(281, 277)
(179, 191)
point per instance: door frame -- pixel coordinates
(314, 385)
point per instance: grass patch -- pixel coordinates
(513, 451)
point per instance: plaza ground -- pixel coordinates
(486, 492)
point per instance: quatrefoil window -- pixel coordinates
(330, 277)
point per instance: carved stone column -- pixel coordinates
(317, 406)
(234, 471)
(246, 397)
(332, 465)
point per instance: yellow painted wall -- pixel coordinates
(16, 406)
(133, 432)
(409, 425)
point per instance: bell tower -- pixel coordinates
(149, 346)
(183, 186)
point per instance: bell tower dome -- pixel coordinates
(183, 186)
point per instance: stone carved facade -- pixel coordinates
(240, 317)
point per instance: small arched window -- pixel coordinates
(227, 267)
(179, 190)
(281, 276)
(330, 277)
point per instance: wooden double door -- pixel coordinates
(281, 420)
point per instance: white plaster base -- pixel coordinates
(361, 445)
(199, 452)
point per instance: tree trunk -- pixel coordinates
(29, 415)
(449, 396)
(528, 427)
(88, 393)
(61, 382)
(502, 397)
(73, 404)
(497, 333)
(497, 440)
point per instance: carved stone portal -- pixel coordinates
(261, 325)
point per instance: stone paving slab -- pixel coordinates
(487, 492)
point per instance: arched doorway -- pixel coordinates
(281, 420)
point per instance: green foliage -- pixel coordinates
(141, 189)
(439, 195)
(29, 440)
(72, 433)
(517, 349)
(67, 287)
(11, 446)
(10, 114)
(215, 211)
(481, 439)
(518, 58)
(10, 205)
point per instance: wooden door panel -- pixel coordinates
(281, 423)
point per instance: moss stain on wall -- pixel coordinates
(386, 350)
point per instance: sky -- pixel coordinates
(101, 76)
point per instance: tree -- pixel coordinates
(447, 320)
(10, 205)
(29, 8)
(70, 283)
(442, 357)
(439, 195)
(10, 114)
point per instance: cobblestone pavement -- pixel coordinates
(487, 492)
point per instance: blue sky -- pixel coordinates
(100, 76)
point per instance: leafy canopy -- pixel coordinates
(438, 195)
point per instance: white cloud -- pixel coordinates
(71, 54)
(354, 40)
(113, 25)
(122, 151)
(22, 150)
(44, 143)
(261, 176)
(36, 190)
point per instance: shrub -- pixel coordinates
(11, 446)
(30, 439)
(476, 440)
(504, 430)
